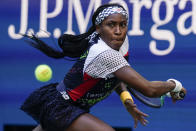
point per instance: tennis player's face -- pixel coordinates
(113, 30)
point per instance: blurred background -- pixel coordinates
(162, 37)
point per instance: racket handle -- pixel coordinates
(181, 94)
(177, 95)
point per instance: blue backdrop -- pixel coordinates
(162, 37)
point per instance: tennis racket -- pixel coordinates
(153, 102)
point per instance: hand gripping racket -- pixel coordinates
(153, 102)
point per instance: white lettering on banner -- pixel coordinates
(182, 19)
(162, 34)
(44, 15)
(137, 6)
(23, 22)
(82, 19)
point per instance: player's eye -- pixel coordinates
(111, 24)
(123, 24)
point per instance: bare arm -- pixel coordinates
(120, 88)
(139, 83)
(131, 107)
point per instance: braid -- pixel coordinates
(43, 47)
(75, 45)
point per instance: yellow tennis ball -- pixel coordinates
(43, 73)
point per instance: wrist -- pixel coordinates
(126, 96)
(178, 85)
(129, 103)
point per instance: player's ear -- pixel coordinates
(98, 29)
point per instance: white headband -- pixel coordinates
(109, 11)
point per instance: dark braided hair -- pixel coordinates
(72, 45)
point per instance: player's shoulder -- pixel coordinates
(111, 55)
(100, 46)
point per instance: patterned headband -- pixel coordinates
(109, 11)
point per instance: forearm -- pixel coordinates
(139, 83)
(161, 87)
(155, 88)
(120, 88)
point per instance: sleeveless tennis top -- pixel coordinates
(91, 78)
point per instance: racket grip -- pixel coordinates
(180, 95)
(177, 95)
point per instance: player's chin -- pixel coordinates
(117, 44)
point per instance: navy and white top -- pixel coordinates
(91, 78)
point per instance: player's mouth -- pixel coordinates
(118, 41)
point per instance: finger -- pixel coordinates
(142, 113)
(177, 96)
(136, 122)
(184, 90)
(174, 97)
(144, 121)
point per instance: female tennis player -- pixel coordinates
(100, 68)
